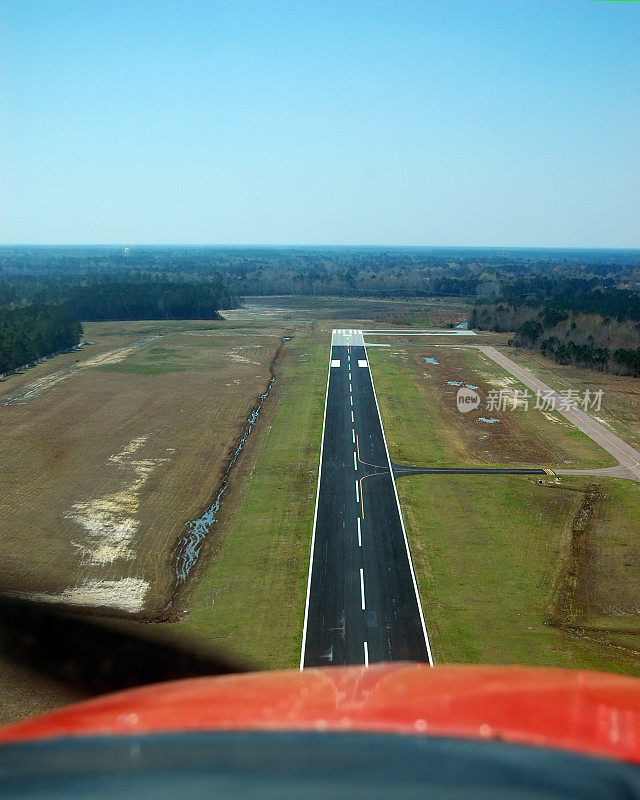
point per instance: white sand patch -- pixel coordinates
(553, 418)
(500, 382)
(234, 355)
(126, 594)
(110, 522)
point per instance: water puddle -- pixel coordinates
(460, 383)
(190, 543)
(431, 360)
(490, 420)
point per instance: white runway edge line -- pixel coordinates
(404, 532)
(362, 588)
(315, 516)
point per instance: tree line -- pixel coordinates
(30, 333)
(601, 341)
(42, 316)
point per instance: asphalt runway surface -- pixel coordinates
(362, 599)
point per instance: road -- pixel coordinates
(627, 456)
(362, 599)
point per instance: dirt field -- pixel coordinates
(517, 437)
(620, 395)
(104, 463)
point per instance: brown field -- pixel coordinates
(520, 437)
(620, 395)
(101, 468)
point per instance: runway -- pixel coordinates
(362, 599)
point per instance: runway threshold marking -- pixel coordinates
(362, 588)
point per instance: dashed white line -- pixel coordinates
(352, 416)
(355, 463)
(359, 534)
(404, 532)
(366, 654)
(349, 387)
(357, 493)
(349, 374)
(362, 588)
(351, 398)
(353, 435)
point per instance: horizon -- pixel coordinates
(298, 246)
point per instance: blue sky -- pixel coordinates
(418, 123)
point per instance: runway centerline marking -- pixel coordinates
(366, 654)
(351, 398)
(362, 588)
(359, 534)
(353, 435)
(357, 493)
(352, 416)
(355, 463)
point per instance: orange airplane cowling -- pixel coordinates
(586, 712)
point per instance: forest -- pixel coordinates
(575, 306)
(41, 315)
(581, 321)
(33, 332)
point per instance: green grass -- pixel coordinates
(489, 551)
(249, 590)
